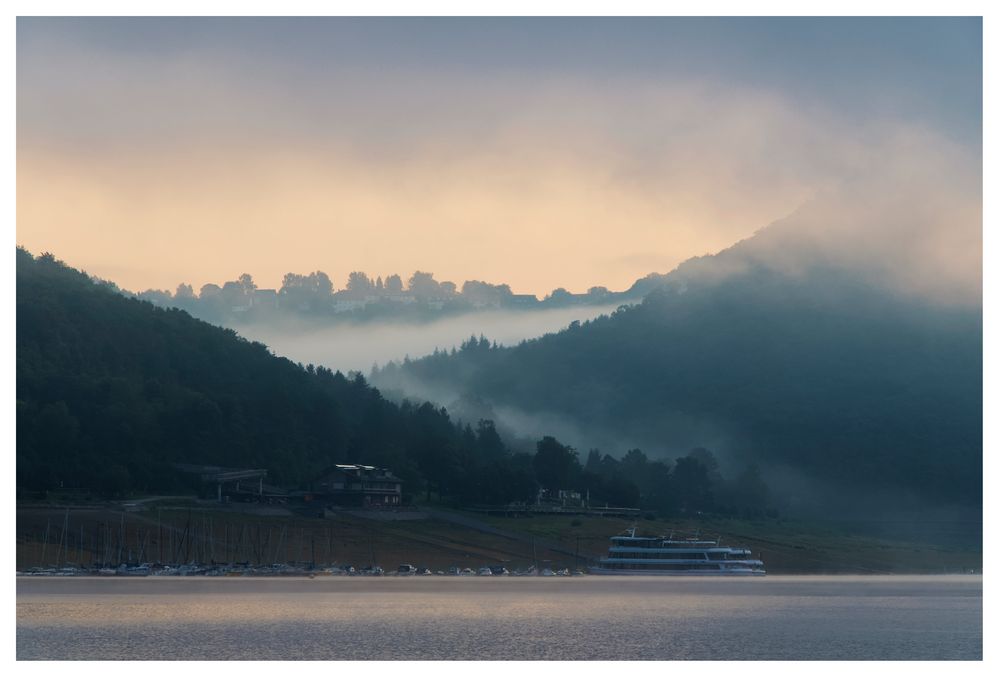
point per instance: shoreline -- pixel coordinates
(247, 540)
(852, 576)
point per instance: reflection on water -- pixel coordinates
(608, 618)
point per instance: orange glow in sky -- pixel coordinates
(158, 151)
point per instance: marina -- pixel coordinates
(198, 554)
(303, 570)
(179, 541)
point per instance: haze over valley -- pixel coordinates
(359, 347)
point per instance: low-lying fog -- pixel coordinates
(357, 347)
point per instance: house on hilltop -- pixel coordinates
(264, 298)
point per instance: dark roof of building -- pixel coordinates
(358, 470)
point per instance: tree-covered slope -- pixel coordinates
(814, 372)
(112, 391)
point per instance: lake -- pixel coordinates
(443, 618)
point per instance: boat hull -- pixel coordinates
(597, 571)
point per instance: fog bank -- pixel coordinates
(357, 347)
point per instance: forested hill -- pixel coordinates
(841, 388)
(111, 391)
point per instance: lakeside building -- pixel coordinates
(358, 485)
(240, 484)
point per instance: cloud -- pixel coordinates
(907, 216)
(209, 162)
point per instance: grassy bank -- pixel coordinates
(182, 530)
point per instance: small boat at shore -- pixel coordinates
(632, 555)
(141, 570)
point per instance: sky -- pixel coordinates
(538, 152)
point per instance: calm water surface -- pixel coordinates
(608, 618)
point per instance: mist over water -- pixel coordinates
(357, 347)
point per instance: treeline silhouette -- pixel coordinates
(692, 485)
(113, 391)
(313, 296)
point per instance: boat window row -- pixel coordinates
(657, 543)
(663, 566)
(620, 542)
(657, 555)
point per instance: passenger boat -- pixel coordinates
(632, 555)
